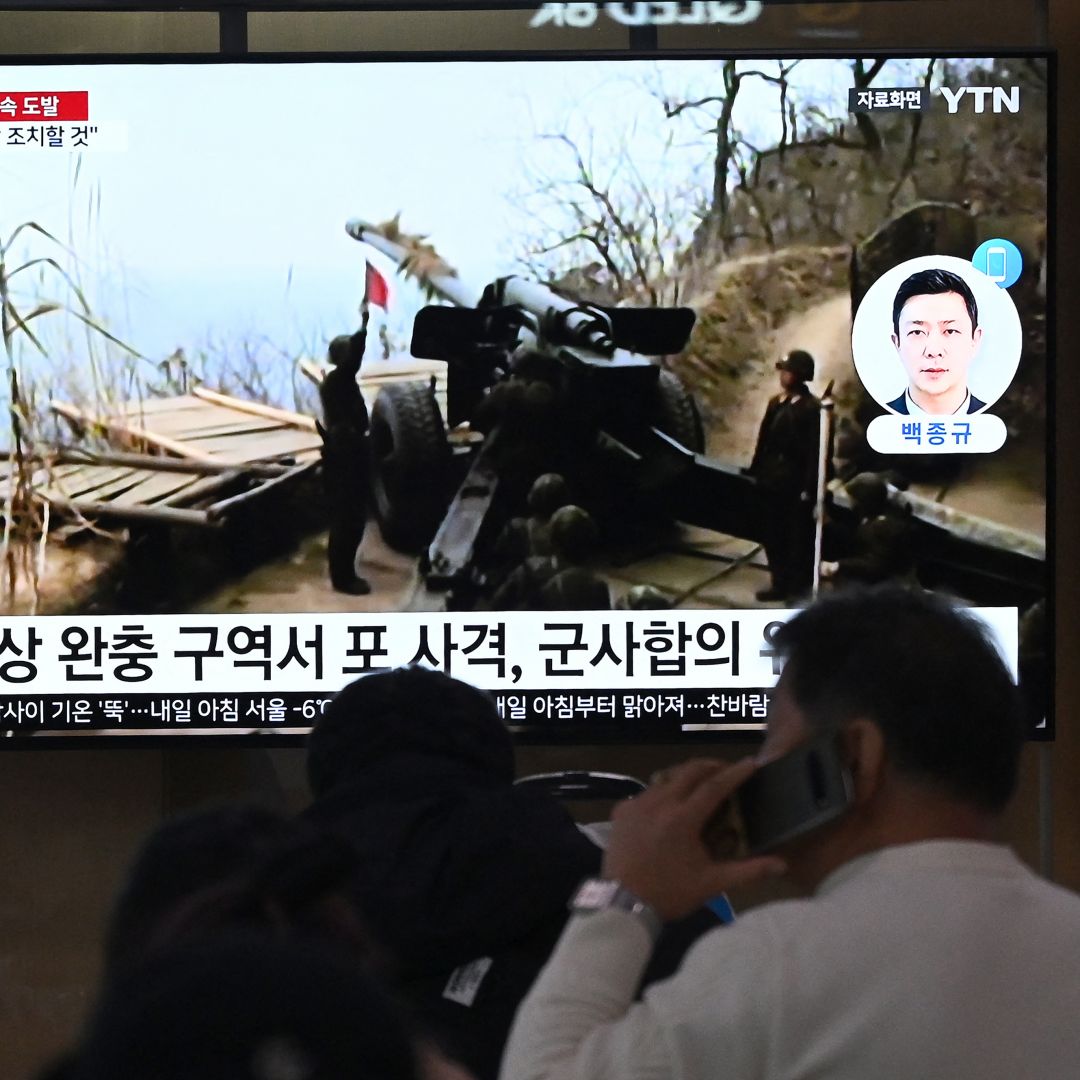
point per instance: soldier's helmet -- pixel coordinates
(799, 362)
(339, 350)
(574, 534)
(645, 598)
(526, 363)
(869, 492)
(547, 494)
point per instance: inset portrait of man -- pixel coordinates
(937, 335)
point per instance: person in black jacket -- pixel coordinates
(463, 877)
(785, 465)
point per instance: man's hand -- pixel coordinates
(656, 849)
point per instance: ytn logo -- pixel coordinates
(1001, 100)
(655, 13)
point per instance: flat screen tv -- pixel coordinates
(656, 350)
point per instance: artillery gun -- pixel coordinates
(537, 382)
(546, 379)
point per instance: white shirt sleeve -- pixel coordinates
(712, 1019)
(577, 1020)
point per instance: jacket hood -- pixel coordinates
(454, 863)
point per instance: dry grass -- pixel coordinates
(42, 289)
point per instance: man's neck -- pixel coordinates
(910, 818)
(939, 404)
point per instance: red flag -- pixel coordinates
(376, 291)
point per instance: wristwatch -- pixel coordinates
(600, 894)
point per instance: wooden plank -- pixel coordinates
(256, 427)
(71, 480)
(47, 474)
(210, 487)
(158, 463)
(408, 367)
(95, 480)
(106, 492)
(173, 423)
(166, 514)
(256, 409)
(154, 488)
(220, 509)
(133, 432)
(149, 406)
(256, 448)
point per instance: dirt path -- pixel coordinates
(824, 332)
(301, 582)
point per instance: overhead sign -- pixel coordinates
(644, 13)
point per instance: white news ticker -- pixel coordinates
(539, 650)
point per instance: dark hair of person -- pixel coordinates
(926, 672)
(243, 1006)
(934, 283)
(410, 710)
(234, 866)
(180, 857)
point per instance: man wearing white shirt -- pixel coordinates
(925, 949)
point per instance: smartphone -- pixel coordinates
(793, 795)
(997, 264)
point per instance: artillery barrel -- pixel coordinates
(447, 286)
(573, 323)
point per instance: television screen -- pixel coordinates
(572, 378)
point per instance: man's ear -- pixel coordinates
(862, 747)
(976, 336)
(895, 341)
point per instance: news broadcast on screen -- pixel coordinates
(573, 378)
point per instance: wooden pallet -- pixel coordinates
(188, 459)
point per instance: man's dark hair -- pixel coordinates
(934, 283)
(922, 669)
(410, 710)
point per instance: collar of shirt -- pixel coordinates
(914, 410)
(960, 856)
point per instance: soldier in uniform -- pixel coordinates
(524, 536)
(785, 465)
(886, 542)
(560, 581)
(344, 433)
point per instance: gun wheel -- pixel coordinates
(409, 465)
(676, 412)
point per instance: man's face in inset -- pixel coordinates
(936, 344)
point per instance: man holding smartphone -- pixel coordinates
(925, 948)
